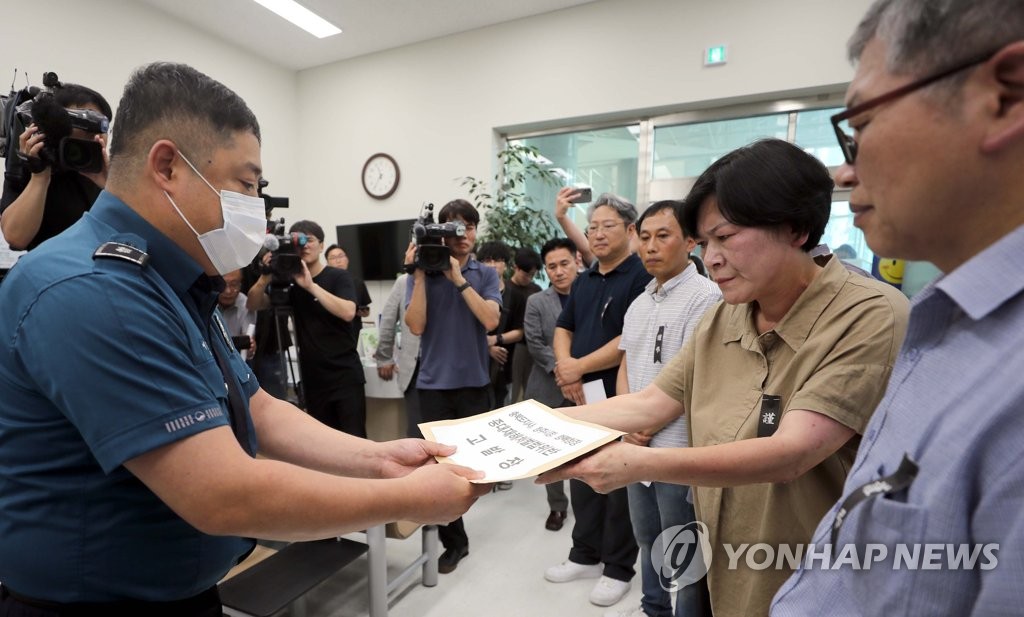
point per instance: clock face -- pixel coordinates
(380, 176)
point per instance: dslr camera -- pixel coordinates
(60, 150)
(431, 253)
(285, 260)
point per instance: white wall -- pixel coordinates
(434, 105)
(99, 42)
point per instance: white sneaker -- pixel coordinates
(571, 571)
(626, 612)
(608, 591)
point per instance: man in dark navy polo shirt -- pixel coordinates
(586, 346)
(130, 427)
(452, 312)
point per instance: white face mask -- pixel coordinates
(245, 225)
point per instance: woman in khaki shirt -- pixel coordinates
(780, 379)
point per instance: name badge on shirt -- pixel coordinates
(895, 482)
(771, 412)
(659, 340)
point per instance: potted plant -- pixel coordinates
(506, 208)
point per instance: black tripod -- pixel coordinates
(281, 314)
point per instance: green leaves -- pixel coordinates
(508, 212)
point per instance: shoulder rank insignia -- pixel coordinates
(117, 250)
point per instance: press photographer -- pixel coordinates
(432, 253)
(60, 165)
(451, 305)
(323, 302)
(283, 260)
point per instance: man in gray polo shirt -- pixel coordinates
(452, 312)
(656, 324)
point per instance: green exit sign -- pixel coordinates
(715, 55)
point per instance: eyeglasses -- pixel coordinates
(605, 227)
(846, 141)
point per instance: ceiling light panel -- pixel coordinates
(301, 17)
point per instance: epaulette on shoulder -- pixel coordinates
(118, 250)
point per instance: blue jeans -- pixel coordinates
(653, 509)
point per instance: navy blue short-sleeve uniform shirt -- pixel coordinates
(103, 360)
(597, 307)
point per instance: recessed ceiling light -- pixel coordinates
(301, 17)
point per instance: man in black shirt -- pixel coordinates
(37, 206)
(323, 301)
(501, 340)
(525, 266)
(338, 258)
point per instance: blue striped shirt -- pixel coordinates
(954, 405)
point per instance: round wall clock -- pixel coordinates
(380, 176)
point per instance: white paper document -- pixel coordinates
(593, 391)
(518, 441)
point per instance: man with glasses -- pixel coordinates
(337, 258)
(237, 318)
(586, 346)
(323, 301)
(934, 162)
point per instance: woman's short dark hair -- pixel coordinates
(459, 208)
(557, 243)
(769, 183)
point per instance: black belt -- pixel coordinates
(205, 604)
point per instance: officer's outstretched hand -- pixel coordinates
(402, 456)
(444, 492)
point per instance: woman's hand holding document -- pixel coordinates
(517, 441)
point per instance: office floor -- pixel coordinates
(503, 576)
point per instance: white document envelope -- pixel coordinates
(517, 441)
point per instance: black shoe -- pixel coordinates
(450, 559)
(555, 520)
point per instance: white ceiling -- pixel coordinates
(367, 25)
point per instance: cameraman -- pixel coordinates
(37, 206)
(452, 311)
(323, 302)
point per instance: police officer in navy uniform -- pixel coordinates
(129, 427)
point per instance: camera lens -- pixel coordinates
(74, 155)
(81, 155)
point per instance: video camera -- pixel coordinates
(431, 253)
(285, 259)
(269, 201)
(61, 151)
